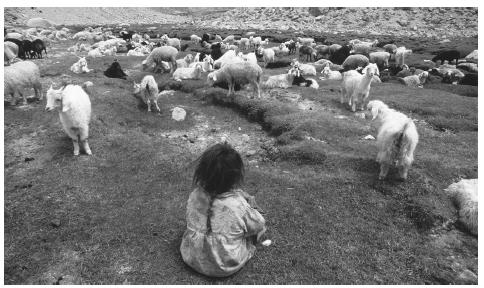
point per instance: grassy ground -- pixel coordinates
(118, 216)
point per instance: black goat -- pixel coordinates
(115, 71)
(340, 55)
(448, 55)
(28, 48)
(469, 79)
(39, 46)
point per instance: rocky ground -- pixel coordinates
(412, 22)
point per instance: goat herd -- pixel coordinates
(356, 64)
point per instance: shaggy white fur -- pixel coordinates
(356, 87)
(80, 66)
(396, 140)
(148, 88)
(188, 73)
(75, 112)
(464, 194)
(19, 76)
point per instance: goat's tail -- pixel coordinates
(148, 90)
(405, 143)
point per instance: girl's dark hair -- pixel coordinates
(219, 169)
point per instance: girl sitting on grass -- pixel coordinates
(222, 227)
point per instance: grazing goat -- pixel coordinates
(448, 55)
(19, 76)
(237, 73)
(396, 140)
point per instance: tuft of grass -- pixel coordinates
(304, 152)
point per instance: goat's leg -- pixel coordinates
(38, 91)
(149, 104)
(229, 84)
(13, 101)
(257, 89)
(75, 142)
(156, 105)
(83, 135)
(403, 171)
(383, 171)
(24, 98)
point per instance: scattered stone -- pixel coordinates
(68, 280)
(28, 159)
(55, 223)
(245, 137)
(250, 153)
(368, 137)
(178, 114)
(267, 242)
(468, 277)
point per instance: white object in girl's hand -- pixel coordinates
(267, 242)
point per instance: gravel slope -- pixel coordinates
(413, 22)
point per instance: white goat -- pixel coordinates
(464, 194)
(147, 90)
(19, 76)
(237, 73)
(188, 73)
(280, 81)
(356, 87)
(396, 140)
(400, 54)
(74, 113)
(415, 80)
(195, 39)
(173, 42)
(305, 69)
(183, 63)
(328, 74)
(268, 55)
(80, 66)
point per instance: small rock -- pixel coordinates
(250, 153)
(55, 223)
(68, 280)
(368, 137)
(245, 137)
(468, 277)
(267, 242)
(178, 114)
(340, 117)
(27, 159)
(360, 115)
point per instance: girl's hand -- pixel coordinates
(253, 204)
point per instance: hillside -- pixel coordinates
(413, 22)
